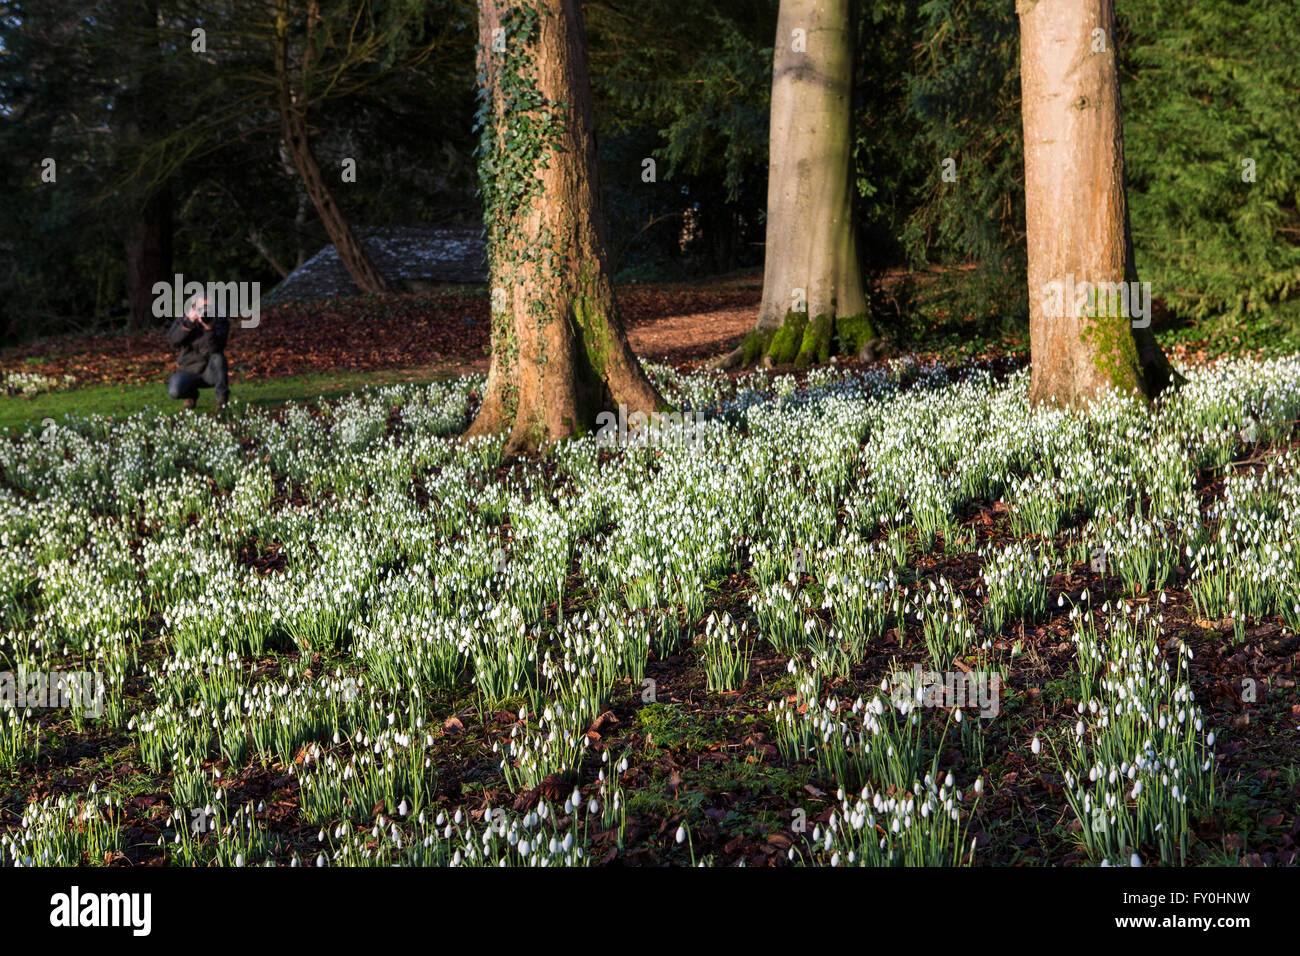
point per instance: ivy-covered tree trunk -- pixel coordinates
(813, 302)
(1083, 336)
(559, 351)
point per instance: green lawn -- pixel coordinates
(18, 414)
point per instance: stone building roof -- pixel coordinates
(411, 259)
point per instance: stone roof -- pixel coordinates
(411, 259)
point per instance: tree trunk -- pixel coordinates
(148, 241)
(148, 249)
(812, 286)
(1076, 211)
(559, 351)
(293, 125)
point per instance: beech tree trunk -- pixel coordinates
(560, 354)
(812, 286)
(1077, 220)
(293, 125)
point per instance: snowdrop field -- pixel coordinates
(887, 616)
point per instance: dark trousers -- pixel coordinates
(187, 384)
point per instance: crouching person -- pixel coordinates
(201, 357)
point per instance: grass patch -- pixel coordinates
(19, 414)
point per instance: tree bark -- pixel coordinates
(293, 125)
(148, 248)
(559, 350)
(147, 245)
(1076, 209)
(812, 285)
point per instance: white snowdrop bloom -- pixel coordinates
(681, 834)
(1036, 746)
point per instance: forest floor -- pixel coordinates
(362, 340)
(300, 350)
(672, 323)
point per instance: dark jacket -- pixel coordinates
(196, 343)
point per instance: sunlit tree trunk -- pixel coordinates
(813, 301)
(559, 351)
(1077, 221)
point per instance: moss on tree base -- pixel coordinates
(853, 332)
(786, 342)
(755, 345)
(801, 342)
(816, 345)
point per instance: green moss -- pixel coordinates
(788, 339)
(668, 727)
(816, 344)
(755, 345)
(592, 322)
(1114, 349)
(853, 332)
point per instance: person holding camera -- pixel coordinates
(201, 357)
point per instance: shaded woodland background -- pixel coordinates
(183, 149)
